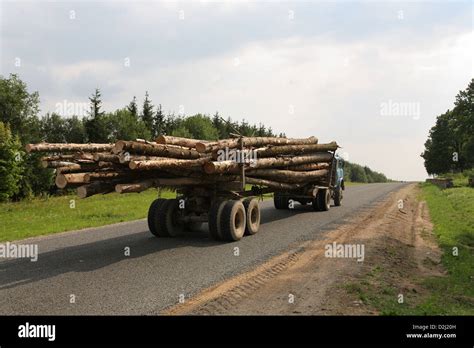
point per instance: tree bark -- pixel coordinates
(106, 157)
(78, 167)
(272, 184)
(66, 158)
(135, 187)
(95, 188)
(233, 167)
(296, 149)
(184, 142)
(169, 163)
(62, 180)
(289, 176)
(60, 147)
(126, 158)
(155, 150)
(251, 142)
(309, 166)
(57, 164)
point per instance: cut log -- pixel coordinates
(169, 163)
(233, 167)
(78, 167)
(309, 166)
(63, 158)
(272, 184)
(296, 149)
(95, 188)
(136, 187)
(106, 175)
(184, 142)
(57, 164)
(62, 180)
(84, 156)
(155, 150)
(106, 157)
(125, 158)
(60, 147)
(251, 142)
(289, 176)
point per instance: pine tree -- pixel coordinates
(147, 113)
(96, 104)
(96, 124)
(158, 122)
(132, 107)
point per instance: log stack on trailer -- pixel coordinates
(210, 177)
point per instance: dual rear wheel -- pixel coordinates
(229, 220)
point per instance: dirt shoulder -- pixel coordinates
(388, 248)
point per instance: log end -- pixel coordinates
(29, 147)
(209, 168)
(82, 191)
(161, 139)
(201, 147)
(133, 165)
(119, 188)
(60, 181)
(119, 145)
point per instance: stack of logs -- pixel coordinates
(134, 166)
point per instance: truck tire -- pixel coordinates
(233, 221)
(153, 216)
(167, 224)
(337, 196)
(280, 201)
(252, 212)
(215, 219)
(324, 200)
(315, 202)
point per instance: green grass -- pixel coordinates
(452, 212)
(57, 214)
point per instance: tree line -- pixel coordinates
(21, 174)
(450, 144)
(356, 173)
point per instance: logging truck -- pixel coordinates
(231, 209)
(217, 182)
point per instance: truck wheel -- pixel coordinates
(215, 219)
(233, 221)
(279, 201)
(315, 202)
(324, 200)
(153, 216)
(168, 219)
(252, 212)
(337, 196)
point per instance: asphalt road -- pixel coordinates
(91, 264)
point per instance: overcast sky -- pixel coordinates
(371, 75)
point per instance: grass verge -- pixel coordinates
(452, 214)
(58, 214)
